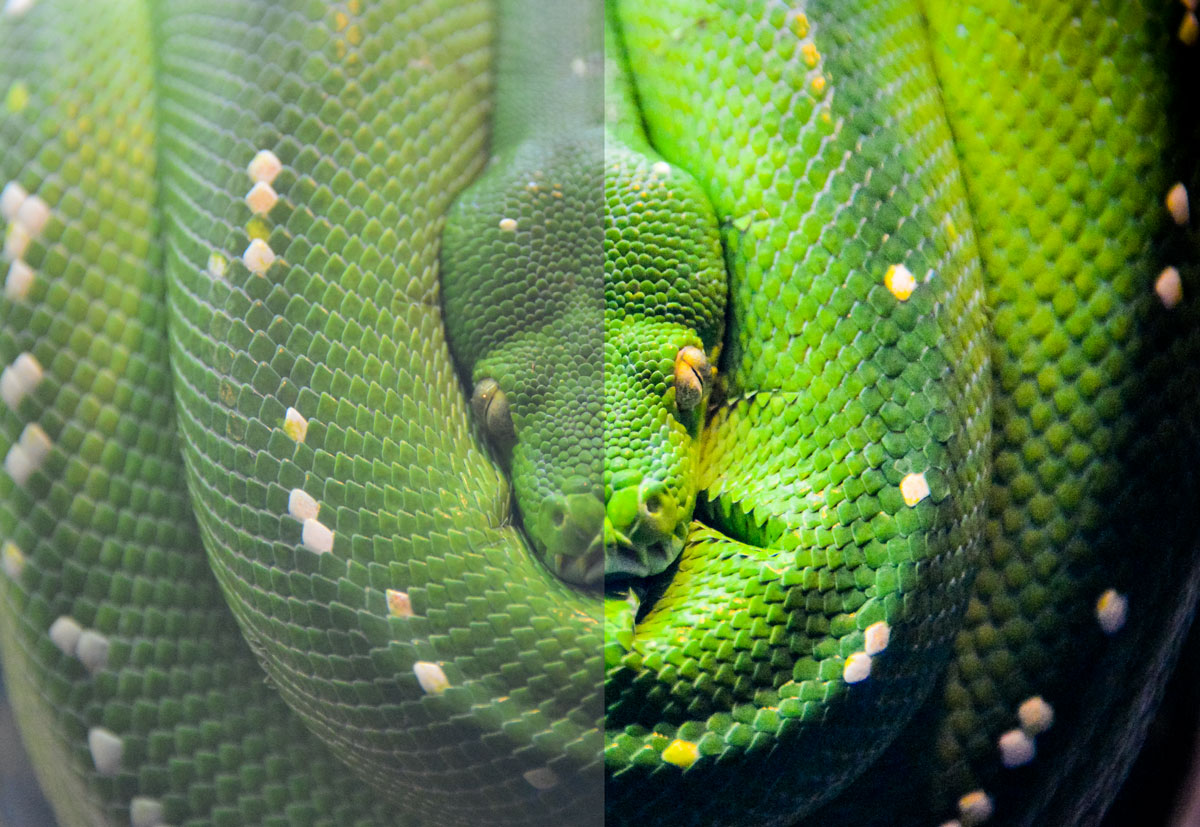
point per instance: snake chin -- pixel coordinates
(625, 558)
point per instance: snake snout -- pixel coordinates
(641, 525)
(571, 528)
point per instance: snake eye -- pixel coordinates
(490, 405)
(692, 375)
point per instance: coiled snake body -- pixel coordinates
(859, 338)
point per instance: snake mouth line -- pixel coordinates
(627, 560)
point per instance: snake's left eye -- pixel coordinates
(692, 376)
(490, 405)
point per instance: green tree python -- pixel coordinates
(693, 412)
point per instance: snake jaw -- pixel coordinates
(584, 570)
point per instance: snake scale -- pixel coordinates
(693, 412)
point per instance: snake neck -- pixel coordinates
(548, 65)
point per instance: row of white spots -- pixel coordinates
(1018, 746)
(107, 751)
(314, 535)
(27, 454)
(19, 379)
(88, 645)
(27, 215)
(262, 169)
(1169, 286)
(875, 639)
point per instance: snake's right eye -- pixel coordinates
(693, 374)
(490, 405)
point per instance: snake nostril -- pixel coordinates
(558, 516)
(653, 504)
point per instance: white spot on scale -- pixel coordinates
(1189, 29)
(857, 668)
(1111, 610)
(661, 168)
(1177, 203)
(295, 425)
(27, 455)
(899, 281)
(11, 198)
(316, 537)
(914, 488)
(431, 677)
(19, 280)
(543, 778)
(13, 560)
(34, 214)
(508, 225)
(399, 603)
(302, 506)
(1036, 716)
(92, 651)
(88, 645)
(106, 749)
(19, 379)
(258, 257)
(975, 808)
(579, 67)
(261, 198)
(64, 633)
(16, 240)
(264, 166)
(1016, 748)
(1169, 287)
(15, 8)
(145, 812)
(217, 265)
(877, 636)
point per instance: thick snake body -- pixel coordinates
(919, 549)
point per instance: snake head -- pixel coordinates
(523, 292)
(665, 294)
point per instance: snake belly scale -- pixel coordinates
(698, 412)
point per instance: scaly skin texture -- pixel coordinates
(951, 430)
